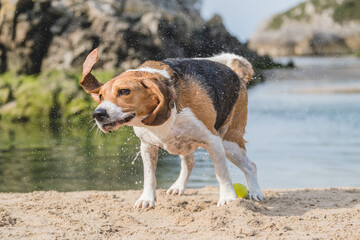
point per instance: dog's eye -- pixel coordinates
(122, 92)
(100, 97)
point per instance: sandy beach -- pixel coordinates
(286, 214)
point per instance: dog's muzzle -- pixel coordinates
(108, 123)
(100, 114)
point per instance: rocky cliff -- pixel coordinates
(314, 27)
(43, 34)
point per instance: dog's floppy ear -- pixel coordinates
(163, 110)
(89, 82)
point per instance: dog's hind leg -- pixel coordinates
(187, 164)
(237, 155)
(234, 145)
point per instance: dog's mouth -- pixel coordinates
(111, 126)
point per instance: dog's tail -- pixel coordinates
(238, 64)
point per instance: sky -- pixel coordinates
(242, 17)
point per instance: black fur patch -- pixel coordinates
(220, 82)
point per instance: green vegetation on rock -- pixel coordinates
(348, 11)
(276, 22)
(297, 13)
(50, 95)
(343, 11)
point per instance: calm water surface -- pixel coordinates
(303, 131)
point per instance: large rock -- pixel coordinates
(43, 34)
(315, 27)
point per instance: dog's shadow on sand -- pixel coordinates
(298, 202)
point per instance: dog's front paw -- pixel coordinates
(225, 201)
(226, 198)
(145, 202)
(175, 189)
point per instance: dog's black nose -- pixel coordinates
(99, 114)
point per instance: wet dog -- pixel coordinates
(180, 105)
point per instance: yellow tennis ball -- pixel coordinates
(240, 190)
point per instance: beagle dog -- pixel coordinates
(180, 105)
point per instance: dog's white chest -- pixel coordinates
(182, 134)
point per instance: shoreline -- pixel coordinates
(319, 213)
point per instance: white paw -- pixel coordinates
(225, 201)
(175, 190)
(227, 197)
(145, 202)
(256, 194)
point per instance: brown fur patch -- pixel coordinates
(162, 112)
(193, 96)
(89, 82)
(237, 120)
